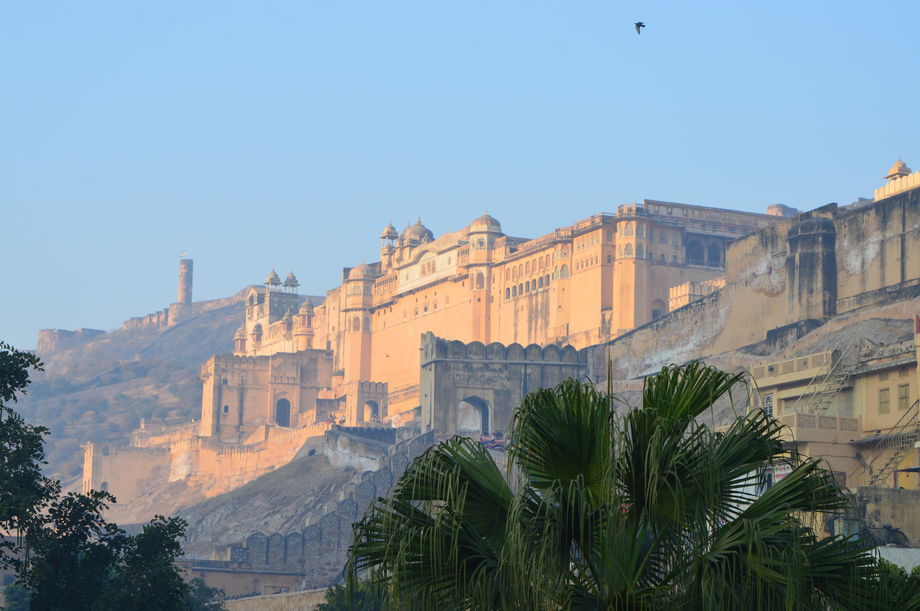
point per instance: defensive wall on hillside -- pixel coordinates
(318, 551)
(130, 472)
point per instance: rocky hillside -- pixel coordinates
(99, 388)
(280, 501)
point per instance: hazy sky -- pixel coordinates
(286, 134)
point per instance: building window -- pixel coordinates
(507, 293)
(883, 401)
(226, 409)
(768, 405)
(902, 396)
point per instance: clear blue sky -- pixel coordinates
(286, 134)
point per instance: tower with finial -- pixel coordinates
(388, 239)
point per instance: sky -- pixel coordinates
(285, 135)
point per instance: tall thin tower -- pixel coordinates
(185, 281)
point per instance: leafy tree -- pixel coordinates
(18, 598)
(206, 598)
(23, 488)
(67, 555)
(364, 595)
(648, 509)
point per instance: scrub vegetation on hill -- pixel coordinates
(101, 389)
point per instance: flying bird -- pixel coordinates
(639, 25)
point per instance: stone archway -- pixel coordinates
(474, 416)
(371, 412)
(283, 412)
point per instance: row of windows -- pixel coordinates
(529, 267)
(884, 398)
(527, 287)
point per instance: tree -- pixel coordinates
(647, 509)
(23, 488)
(364, 595)
(67, 556)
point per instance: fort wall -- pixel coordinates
(795, 273)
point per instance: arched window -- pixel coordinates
(521, 289)
(527, 268)
(564, 271)
(627, 250)
(540, 282)
(527, 286)
(628, 230)
(651, 256)
(640, 251)
(355, 324)
(507, 293)
(480, 280)
(673, 258)
(609, 258)
(514, 291)
(226, 409)
(546, 281)
(662, 258)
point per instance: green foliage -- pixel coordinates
(18, 598)
(66, 555)
(23, 488)
(363, 595)
(206, 598)
(645, 509)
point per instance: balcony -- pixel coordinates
(819, 427)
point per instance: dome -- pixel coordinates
(291, 281)
(389, 232)
(361, 272)
(273, 279)
(898, 170)
(418, 233)
(486, 223)
(241, 332)
(307, 307)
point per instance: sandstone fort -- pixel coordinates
(445, 334)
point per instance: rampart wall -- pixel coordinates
(319, 550)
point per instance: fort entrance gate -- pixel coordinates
(472, 389)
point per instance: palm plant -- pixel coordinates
(600, 509)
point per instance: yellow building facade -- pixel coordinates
(579, 285)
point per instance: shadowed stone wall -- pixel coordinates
(462, 382)
(319, 550)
